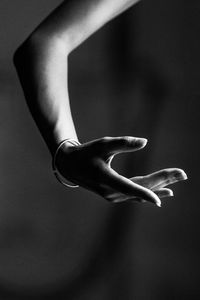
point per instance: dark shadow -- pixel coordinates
(101, 262)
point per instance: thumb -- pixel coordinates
(115, 145)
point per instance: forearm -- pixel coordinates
(43, 70)
(41, 62)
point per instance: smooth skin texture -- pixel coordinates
(42, 65)
(89, 165)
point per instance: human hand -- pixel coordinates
(89, 165)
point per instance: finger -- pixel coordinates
(167, 176)
(114, 145)
(164, 192)
(109, 160)
(161, 178)
(125, 186)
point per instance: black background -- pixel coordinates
(138, 76)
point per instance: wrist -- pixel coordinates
(58, 159)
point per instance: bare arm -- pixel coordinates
(76, 20)
(43, 60)
(41, 63)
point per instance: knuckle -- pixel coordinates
(106, 139)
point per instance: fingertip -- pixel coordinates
(158, 202)
(181, 175)
(164, 192)
(141, 142)
(145, 141)
(184, 175)
(152, 197)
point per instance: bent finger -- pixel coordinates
(164, 177)
(125, 186)
(164, 192)
(115, 145)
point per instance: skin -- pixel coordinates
(42, 66)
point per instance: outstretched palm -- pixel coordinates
(89, 165)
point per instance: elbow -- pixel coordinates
(36, 45)
(21, 54)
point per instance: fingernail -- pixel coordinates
(171, 194)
